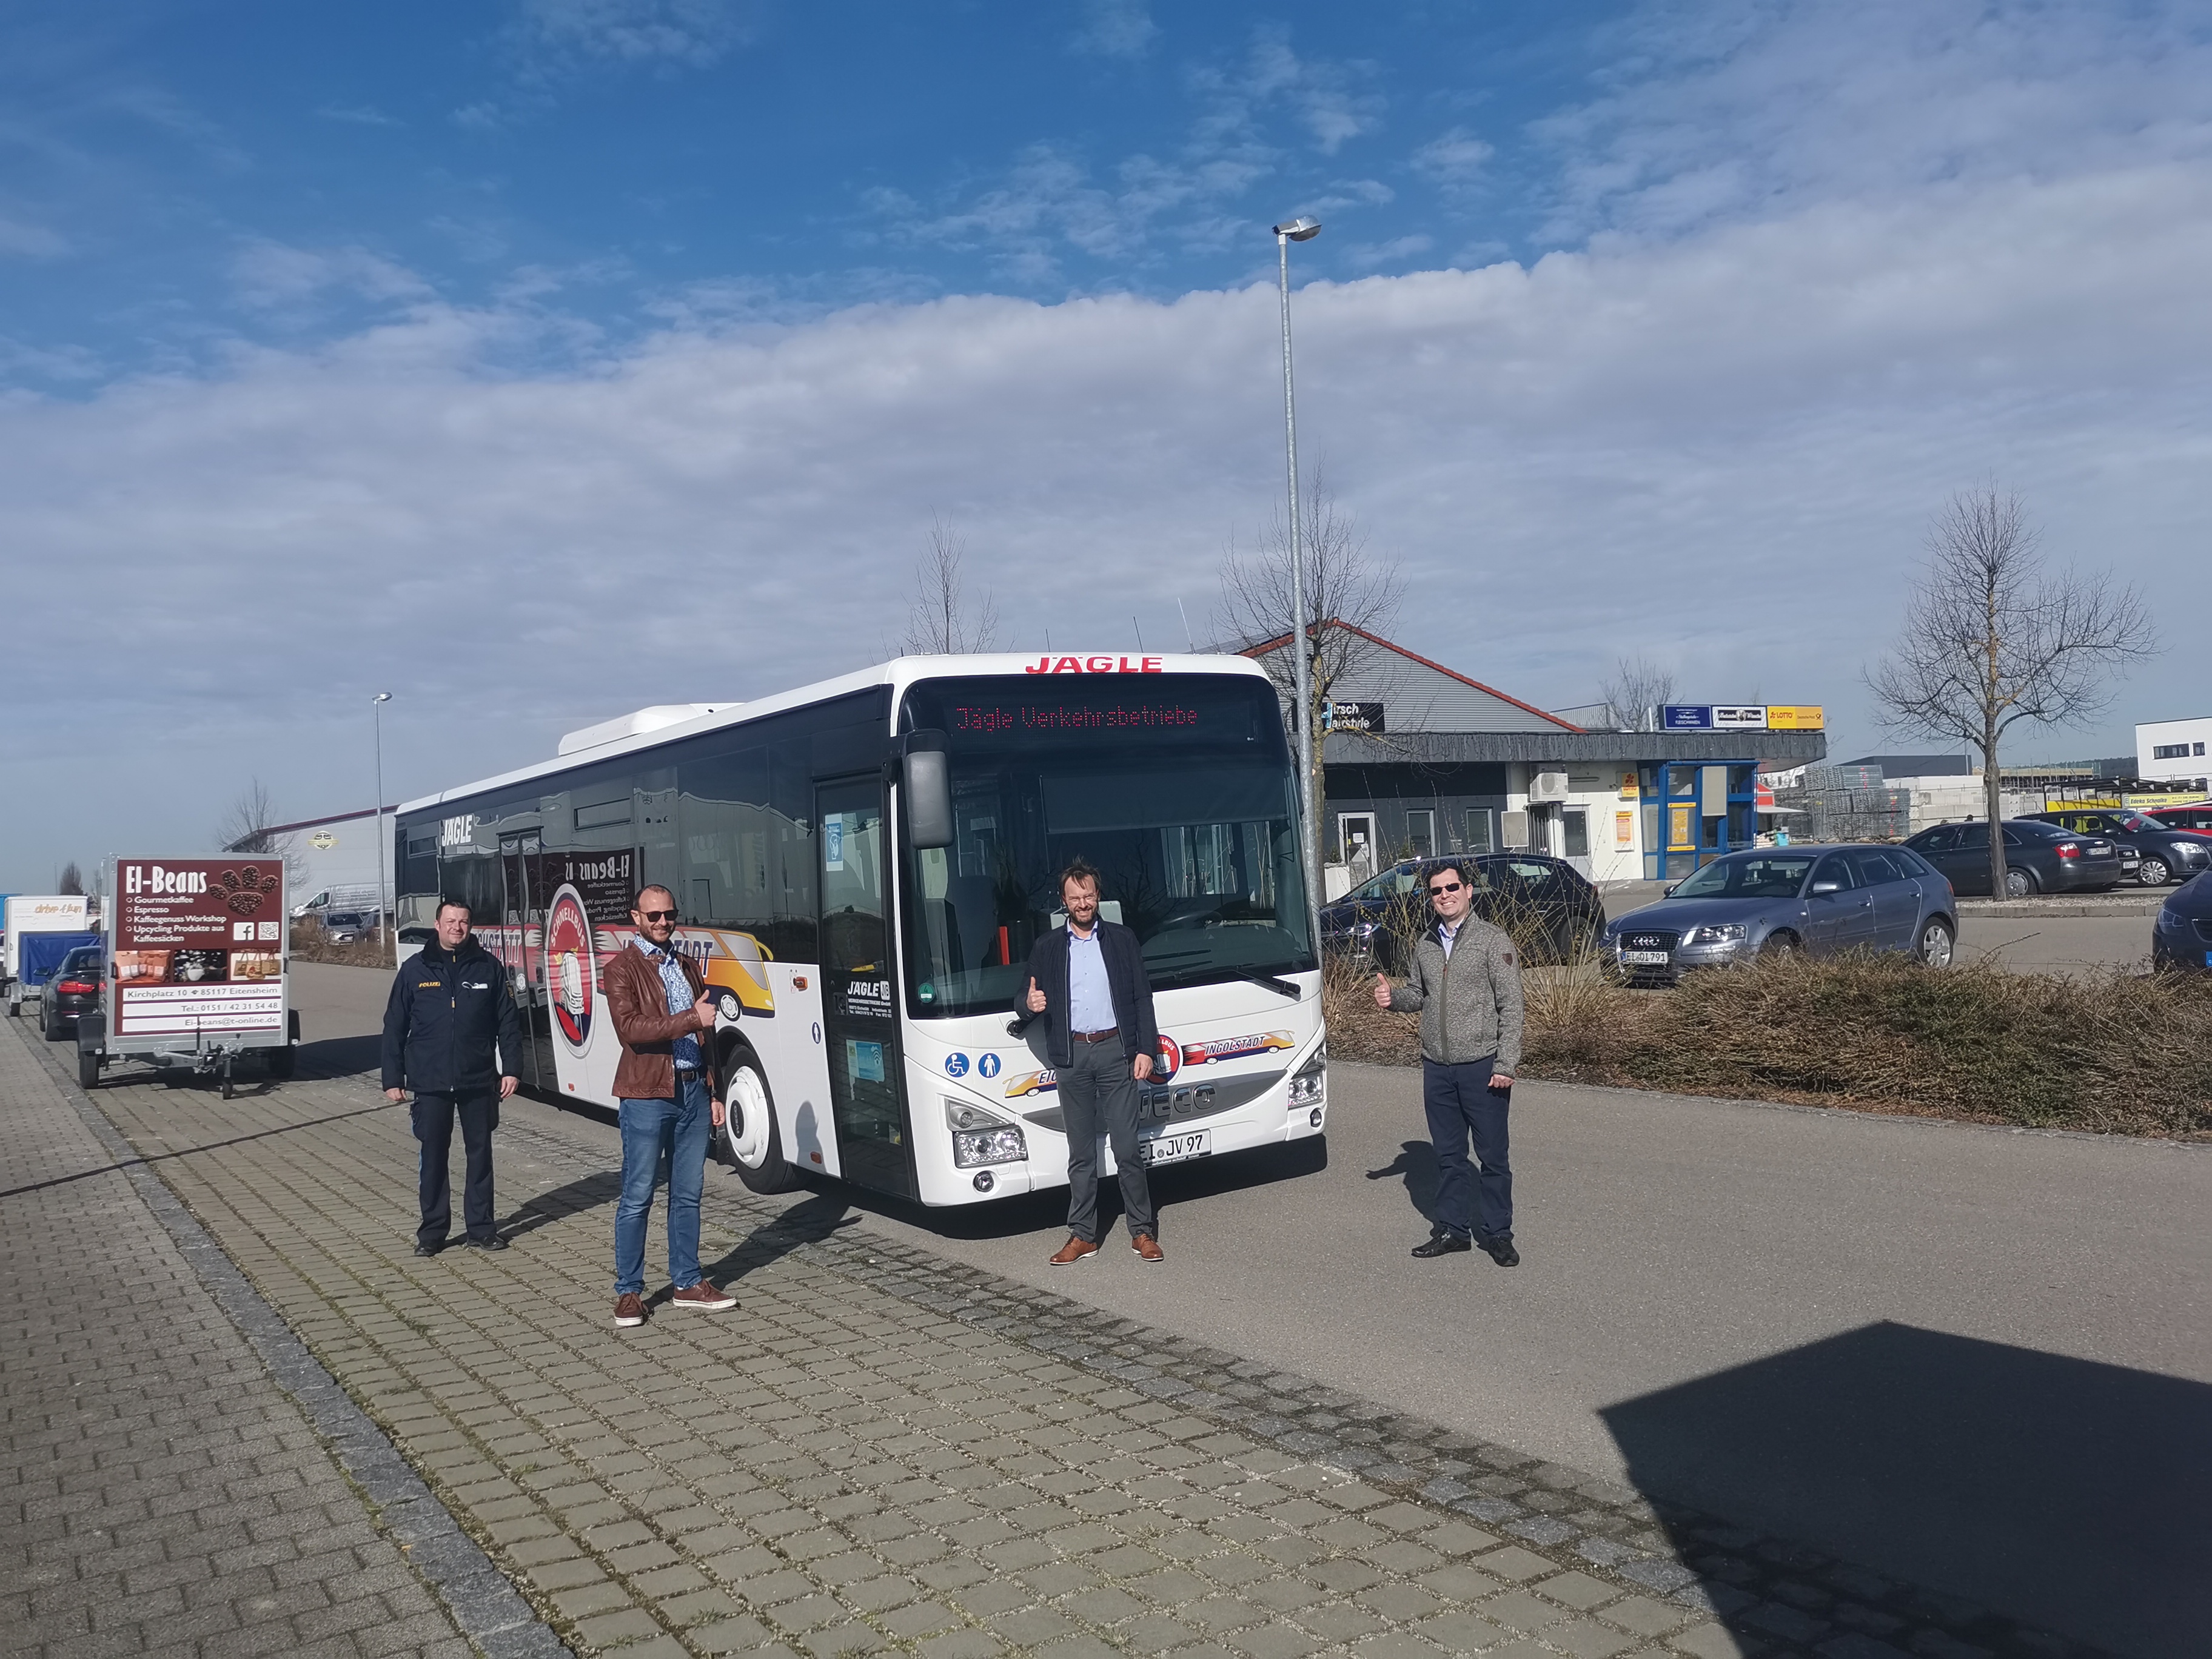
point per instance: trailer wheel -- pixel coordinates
(88, 1069)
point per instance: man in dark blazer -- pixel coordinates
(1088, 980)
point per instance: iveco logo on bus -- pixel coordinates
(1094, 665)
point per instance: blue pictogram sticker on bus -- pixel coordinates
(988, 1065)
(955, 1065)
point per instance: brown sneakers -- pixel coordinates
(1147, 1246)
(1073, 1251)
(705, 1296)
(629, 1310)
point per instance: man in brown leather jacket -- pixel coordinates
(657, 999)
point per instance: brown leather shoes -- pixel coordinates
(706, 1296)
(1073, 1251)
(629, 1310)
(1147, 1246)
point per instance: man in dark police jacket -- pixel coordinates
(1088, 979)
(449, 1005)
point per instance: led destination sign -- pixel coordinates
(1059, 718)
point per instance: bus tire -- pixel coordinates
(749, 1140)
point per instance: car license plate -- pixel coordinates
(1644, 958)
(1173, 1149)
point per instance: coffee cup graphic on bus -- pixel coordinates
(569, 968)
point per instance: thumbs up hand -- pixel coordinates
(1383, 994)
(1036, 998)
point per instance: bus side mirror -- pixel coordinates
(926, 781)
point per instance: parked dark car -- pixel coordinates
(2197, 817)
(1775, 900)
(1542, 901)
(343, 927)
(73, 991)
(2181, 937)
(2163, 853)
(2040, 858)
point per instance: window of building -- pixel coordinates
(1421, 831)
(2171, 751)
(1575, 832)
(1478, 830)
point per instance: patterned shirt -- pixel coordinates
(677, 990)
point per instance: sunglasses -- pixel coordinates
(1448, 887)
(658, 915)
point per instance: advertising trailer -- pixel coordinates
(197, 968)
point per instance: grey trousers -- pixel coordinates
(1098, 1097)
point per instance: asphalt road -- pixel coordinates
(2028, 943)
(1969, 1357)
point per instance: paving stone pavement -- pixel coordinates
(161, 1490)
(883, 1451)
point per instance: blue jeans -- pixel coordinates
(1462, 1105)
(658, 1135)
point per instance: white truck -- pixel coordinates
(36, 913)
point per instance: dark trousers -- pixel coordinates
(434, 1113)
(1098, 1097)
(1461, 1105)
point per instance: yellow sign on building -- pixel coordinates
(1796, 717)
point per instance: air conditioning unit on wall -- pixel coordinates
(1547, 785)
(1513, 829)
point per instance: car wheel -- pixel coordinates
(48, 1027)
(750, 1138)
(2019, 883)
(1780, 946)
(2153, 871)
(1935, 947)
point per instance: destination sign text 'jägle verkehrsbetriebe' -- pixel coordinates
(1009, 720)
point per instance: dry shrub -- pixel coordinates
(2109, 1053)
(311, 943)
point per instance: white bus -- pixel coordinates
(862, 866)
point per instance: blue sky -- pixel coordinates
(634, 162)
(417, 347)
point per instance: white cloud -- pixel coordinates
(1455, 158)
(1116, 28)
(22, 241)
(275, 276)
(678, 34)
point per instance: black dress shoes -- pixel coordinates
(1502, 1252)
(1441, 1244)
(495, 1242)
(424, 1247)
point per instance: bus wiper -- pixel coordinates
(1281, 988)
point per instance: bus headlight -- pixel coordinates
(980, 1136)
(1311, 1083)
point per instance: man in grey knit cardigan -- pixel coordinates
(1466, 984)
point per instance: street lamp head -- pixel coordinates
(1300, 229)
(381, 696)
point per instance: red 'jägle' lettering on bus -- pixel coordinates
(1093, 665)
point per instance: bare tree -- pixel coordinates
(71, 879)
(1635, 693)
(245, 829)
(1350, 595)
(941, 621)
(1991, 639)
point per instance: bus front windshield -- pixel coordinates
(1178, 789)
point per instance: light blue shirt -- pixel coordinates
(1448, 933)
(1090, 993)
(677, 990)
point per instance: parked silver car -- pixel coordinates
(1819, 899)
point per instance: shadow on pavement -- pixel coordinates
(1032, 1212)
(543, 1209)
(1417, 1163)
(340, 1056)
(808, 1222)
(2064, 1493)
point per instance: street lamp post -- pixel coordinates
(1300, 229)
(385, 919)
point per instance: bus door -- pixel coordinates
(859, 1008)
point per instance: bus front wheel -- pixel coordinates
(750, 1139)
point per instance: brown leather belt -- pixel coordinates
(1096, 1037)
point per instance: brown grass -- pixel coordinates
(309, 944)
(2109, 1053)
